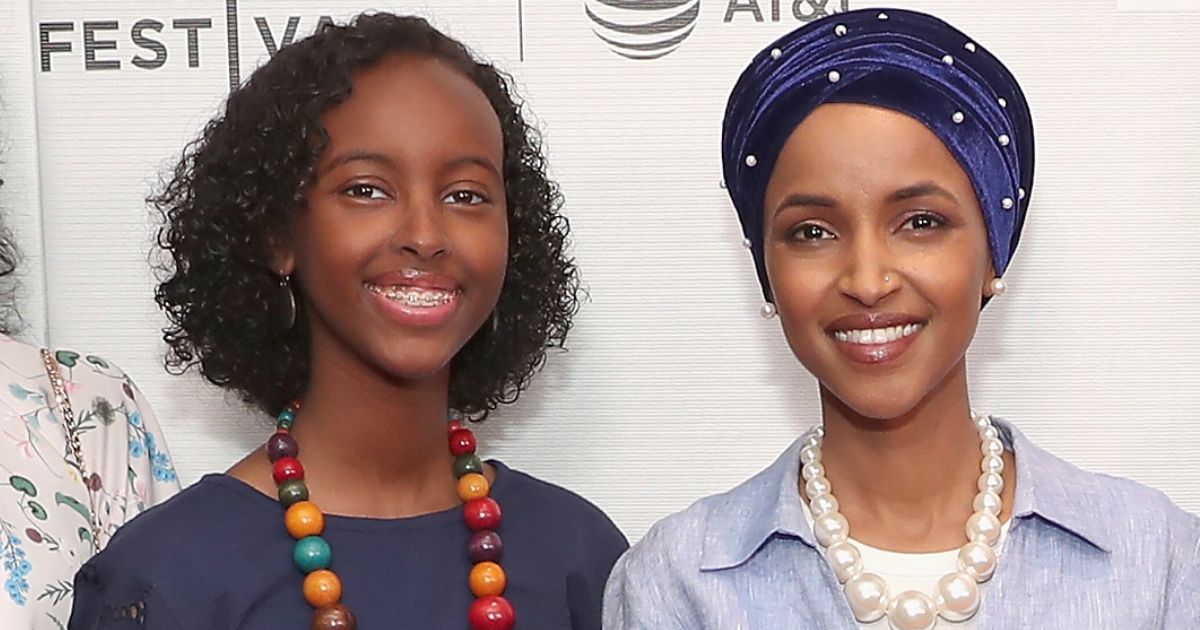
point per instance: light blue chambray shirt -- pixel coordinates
(1085, 552)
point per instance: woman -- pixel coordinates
(80, 454)
(881, 164)
(367, 228)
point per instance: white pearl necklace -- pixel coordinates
(957, 598)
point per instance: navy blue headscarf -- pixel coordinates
(901, 60)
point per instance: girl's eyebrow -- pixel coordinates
(358, 156)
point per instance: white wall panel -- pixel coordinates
(673, 387)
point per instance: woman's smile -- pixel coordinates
(873, 338)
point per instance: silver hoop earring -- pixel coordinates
(998, 287)
(768, 311)
(495, 322)
(287, 303)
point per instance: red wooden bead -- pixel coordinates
(492, 613)
(454, 425)
(462, 442)
(482, 514)
(286, 469)
(294, 405)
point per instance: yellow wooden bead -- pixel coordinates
(322, 588)
(304, 519)
(488, 579)
(472, 486)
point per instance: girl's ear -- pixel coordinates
(283, 255)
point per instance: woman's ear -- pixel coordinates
(993, 285)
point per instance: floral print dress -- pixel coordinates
(46, 501)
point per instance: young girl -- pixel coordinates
(881, 163)
(363, 243)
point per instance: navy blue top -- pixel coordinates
(217, 556)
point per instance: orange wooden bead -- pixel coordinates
(304, 519)
(322, 588)
(488, 579)
(472, 486)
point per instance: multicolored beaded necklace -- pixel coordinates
(312, 554)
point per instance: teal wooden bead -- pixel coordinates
(312, 553)
(285, 419)
(466, 464)
(292, 491)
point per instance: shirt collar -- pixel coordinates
(768, 505)
(742, 520)
(1055, 491)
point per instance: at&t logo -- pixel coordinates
(643, 29)
(775, 10)
(649, 29)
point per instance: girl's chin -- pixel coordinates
(412, 362)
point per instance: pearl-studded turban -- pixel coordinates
(905, 61)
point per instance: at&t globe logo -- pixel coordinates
(643, 29)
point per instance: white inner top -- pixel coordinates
(913, 571)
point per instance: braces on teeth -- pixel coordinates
(414, 297)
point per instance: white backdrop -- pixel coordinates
(673, 387)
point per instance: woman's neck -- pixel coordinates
(908, 483)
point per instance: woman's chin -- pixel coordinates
(879, 406)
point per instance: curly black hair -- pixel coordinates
(230, 197)
(9, 259)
